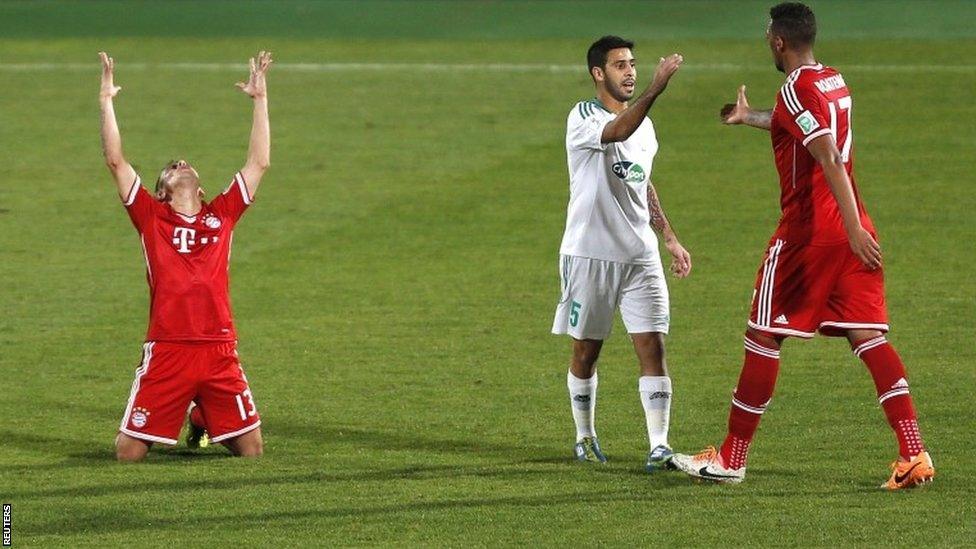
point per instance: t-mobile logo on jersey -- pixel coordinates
(184, 237)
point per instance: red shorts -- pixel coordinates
(172, 375)
(803, 289)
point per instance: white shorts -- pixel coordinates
(592, 289)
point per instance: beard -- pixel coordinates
(618, 93)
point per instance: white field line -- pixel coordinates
(449, 67)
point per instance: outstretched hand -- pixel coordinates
(735, 113)
(109, 89)
(256, 85)
(665, 70)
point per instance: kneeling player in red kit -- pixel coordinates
(190, 354)
(822, 271)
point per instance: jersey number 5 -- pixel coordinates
(574, 312)
(844, 135)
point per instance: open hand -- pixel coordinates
(665, 70)
(680, 258)
(866, 248)
(736, 113)
(109, 89)
(256, 85)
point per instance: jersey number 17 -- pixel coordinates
(843, 134)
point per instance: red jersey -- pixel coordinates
(187, 263)
(814, 101)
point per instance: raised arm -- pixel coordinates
(681, 259)
(864, 246)
(627, 122)
(259, 149)
(121, 170)
(740, 113)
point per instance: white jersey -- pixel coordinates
(607, 217)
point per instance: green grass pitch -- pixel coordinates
(394, 283)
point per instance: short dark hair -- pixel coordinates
(596, 56)
(794, 22)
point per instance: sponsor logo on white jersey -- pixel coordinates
(631, 172)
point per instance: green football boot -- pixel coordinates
(588, 449)
(659, 459)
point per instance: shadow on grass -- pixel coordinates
(675, 486)
(156, 454)
(87, 453)
(186, 454)
(395, 440)
(92, 452)
(415, 472)
(101, 456)
(528, 462)
(76, 451)
(130, 522)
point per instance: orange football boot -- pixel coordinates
(908, 474)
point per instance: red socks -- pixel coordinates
(749, 400)
(891, 383)
(758, 378)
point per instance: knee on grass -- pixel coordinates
(247, 445)
(128, 449)
(250, 451)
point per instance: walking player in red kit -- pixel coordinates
(822, 271)
(190, 352)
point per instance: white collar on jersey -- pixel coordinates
(815, 67)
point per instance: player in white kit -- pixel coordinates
(609, 254)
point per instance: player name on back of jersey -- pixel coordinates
(830, 83)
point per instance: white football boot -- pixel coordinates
(707, 465)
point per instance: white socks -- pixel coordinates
(655, 395)
(582, 397)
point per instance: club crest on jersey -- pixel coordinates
(628, 171)
(210, 220)
(139, 417)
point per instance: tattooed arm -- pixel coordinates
(757, 119)
(741, 113)
(681, 259)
